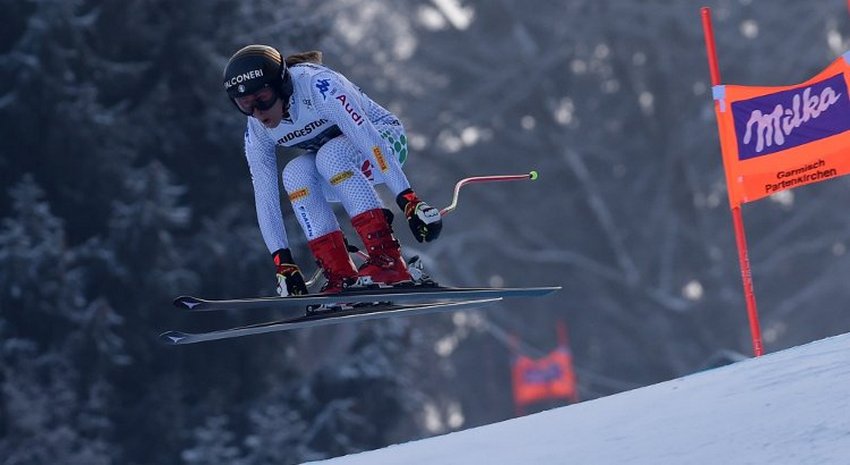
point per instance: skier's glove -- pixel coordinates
(424, 220)
(290, 281)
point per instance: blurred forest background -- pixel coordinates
(124, 185)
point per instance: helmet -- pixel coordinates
(254, 67)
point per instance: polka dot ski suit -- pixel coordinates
(351, 143)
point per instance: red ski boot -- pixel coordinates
(385, 264)
(332, 256)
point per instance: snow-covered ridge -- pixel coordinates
(789, 407)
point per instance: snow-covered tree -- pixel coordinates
(51, 408)
(213, 444)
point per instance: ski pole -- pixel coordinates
(531, 176)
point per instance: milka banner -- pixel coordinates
(778, 138)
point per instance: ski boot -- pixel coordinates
(385, 266)
(332, 256)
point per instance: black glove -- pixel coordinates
(290, 281)
(424, 220)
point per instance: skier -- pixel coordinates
(351, 143)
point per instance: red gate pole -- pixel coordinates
(737, 218)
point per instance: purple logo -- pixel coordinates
(780, 121)
(545, 374)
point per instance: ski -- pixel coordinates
(359, 295)
(358, 313)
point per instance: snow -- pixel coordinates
(789, 407)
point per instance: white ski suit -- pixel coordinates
(352, 143)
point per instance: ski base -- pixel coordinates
(323, 318)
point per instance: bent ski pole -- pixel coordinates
(531, 176)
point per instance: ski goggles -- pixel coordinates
(262, 100)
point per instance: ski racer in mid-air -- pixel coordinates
(351, 143)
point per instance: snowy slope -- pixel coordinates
(790, 407)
